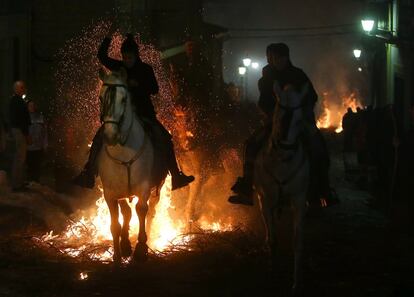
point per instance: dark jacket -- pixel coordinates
(267, 100)
(290, 76)
(19, 114)
(141, 80)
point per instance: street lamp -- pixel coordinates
(242, 70)
(357, 53)
(247, 62)
(255, 65)
(367, 25)
(243, 80)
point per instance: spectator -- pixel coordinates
(348, 127)
(19, 124)
(38, 135)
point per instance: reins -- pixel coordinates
(119, 123)
(129, 163)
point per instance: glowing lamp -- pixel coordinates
(247, 62)
(242, 70)
(357, 53)
(255, 65)
(367, 25)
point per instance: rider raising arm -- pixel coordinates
(141, 79)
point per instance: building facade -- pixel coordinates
(391, 46)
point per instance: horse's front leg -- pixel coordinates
(141, 249)
(153, 201)
(115, 227)
(194, 192)
(299, 211)
(269, 223)
(126, 249)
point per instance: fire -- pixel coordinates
(83, 276)
(164, 231)
(95, 229)
(332, 112)
(90, 236)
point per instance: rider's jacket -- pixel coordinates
(19, 115)
(290, 76)
(141, 80)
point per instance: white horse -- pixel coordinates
(282, 172)
(125, 164)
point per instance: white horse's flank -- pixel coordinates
(282, 172)
(124, 141)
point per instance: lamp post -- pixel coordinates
(368, 26)
(244, 71)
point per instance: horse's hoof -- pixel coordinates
(126, 249)
(117, 261)
(140, 253)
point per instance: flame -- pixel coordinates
(164, 231)
(90, 234)
(332, 112)
(83, 276)
(95, 228)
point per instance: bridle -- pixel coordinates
(119, 123)
(108, 107)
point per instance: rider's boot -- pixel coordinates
(86, 178)
(243, 187)
(178, 178)
(244, 192)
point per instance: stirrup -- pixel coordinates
(241, 186)
(241, 199)
(181, 180)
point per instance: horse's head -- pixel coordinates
(114, 100)
(288, 116)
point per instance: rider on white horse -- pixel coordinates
(281, 70)
(141, 84)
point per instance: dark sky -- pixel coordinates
(324, 54)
